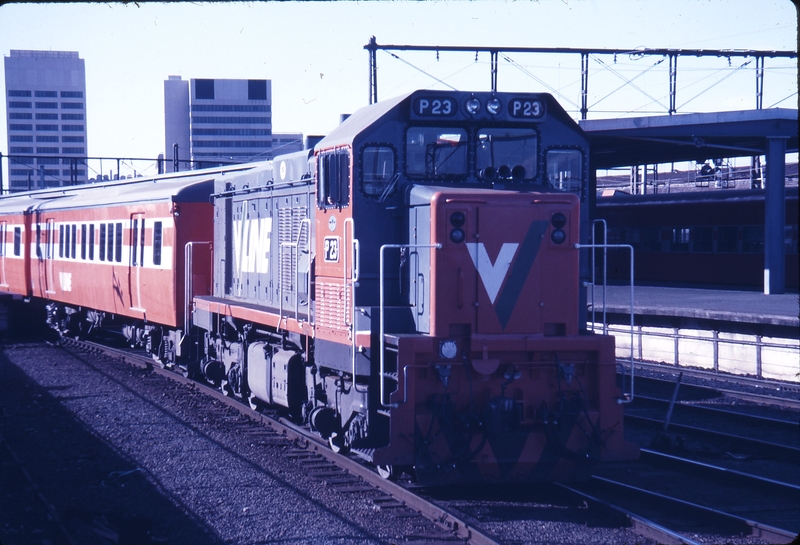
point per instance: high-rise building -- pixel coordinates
(211, 122)
(46, 112)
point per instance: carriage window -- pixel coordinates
(110, 242)
(436, 153)
(134, 238)
(333, 189)
(91, 242)
(727, 238)
(565, 169)
(157, 243)
(17, 240)
(3, 230)
(507, 154)
(102, 242)
(60, 241)
(83, 241)
(118, 243)
(74, 240)
(377, 170)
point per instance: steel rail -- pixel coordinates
(435, 513)
(764, 531)
(787, 402)
(789, 425)
(785, 449)
(789, 489)
(641, 525)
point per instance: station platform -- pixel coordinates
(748, 312)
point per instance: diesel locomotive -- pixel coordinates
(408, 289)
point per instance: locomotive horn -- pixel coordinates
(518, 173)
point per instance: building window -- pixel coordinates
(72, 139)
(72, 128)
(257, 89)
(15, 115)
(72, 105)
(17, 104)
(73, 150)
(22, 138)
(20, 127)
(46, 127)
(20, 149)
(47, 116)
(71, 94)
(46, 150)
(204, 89)
(47, 105)
(70, 117)
(46, 94)
(47, 138)
(19, 93)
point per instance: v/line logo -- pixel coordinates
(492, 274)
(251, 243)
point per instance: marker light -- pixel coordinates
(558, 220)
(493, 106)
(457, 219)
(473, 105)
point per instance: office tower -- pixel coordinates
(217, 122)
(46, 116)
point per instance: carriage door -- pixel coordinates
(136, 263)
(49, 254)
(3, 244)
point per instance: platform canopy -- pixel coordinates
(688, 137)
(699, 137)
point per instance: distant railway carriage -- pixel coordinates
(409, 289)
(709, 238)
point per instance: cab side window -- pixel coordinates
(333, 178)
(377, 170)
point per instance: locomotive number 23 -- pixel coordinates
(331, 249)
(434, 107)
(526, 108)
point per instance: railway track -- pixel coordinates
(509, 515)
(315, 457)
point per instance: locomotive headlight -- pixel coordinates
(558, 221)
(457, 219)
(448, 349)
(558, 236)
(493, 106)
(473, 106)
(457, 235)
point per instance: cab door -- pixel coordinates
(3, 245)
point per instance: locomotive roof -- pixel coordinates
(191, 186)
(363, 118)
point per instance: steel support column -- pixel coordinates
(584, 84)
(493, 54)
(759, 82)
(673, 82)
(774, 217)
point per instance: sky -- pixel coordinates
(314, 54)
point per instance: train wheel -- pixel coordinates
(387, 472)
(337, 444)
(254, 402)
